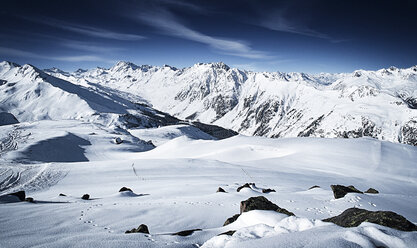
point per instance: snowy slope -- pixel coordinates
(174, 189)
(30, 94)
(380, 104)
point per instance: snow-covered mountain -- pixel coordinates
(30, 94)
(380, 104)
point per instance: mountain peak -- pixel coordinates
(124, 64)
(215, 65)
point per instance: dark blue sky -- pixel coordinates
(309, 36)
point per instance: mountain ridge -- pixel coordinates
(379, 104)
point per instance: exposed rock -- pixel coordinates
(372, 191)
(246, 185)
(125, 189)
(220, 189)
(229, 233)
(85, 197)
(353, 217)
(141, 229)
(408, 133)
(29, 199)
(215, 131)
(231, 219)
(340, 191)
(62, 194)
(20, 194)
(186, 232)
(261, 203)
(268, 190)
(313, 187)
(118, 140)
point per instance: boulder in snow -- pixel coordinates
(372, 191)
(141, 229)
(353, 217)
(220, 189)
(261, 203)
(268, 190)
(186, 232)
(231, 219)
(246, 185)
(118, 140)
(340, 191)
(125, 189)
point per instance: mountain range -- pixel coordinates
(380, 104)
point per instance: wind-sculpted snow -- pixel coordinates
(174, 189)
(379, 104)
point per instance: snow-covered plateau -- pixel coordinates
(170, 136)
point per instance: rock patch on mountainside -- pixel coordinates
(353, 217)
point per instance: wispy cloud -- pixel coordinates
(86, 30)
(89, 47)
(279, 22)
(168, 24)
(75, 58)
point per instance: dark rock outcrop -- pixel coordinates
(118, 140)
(220, 189)
(125, 189)
(29, 199)
(186, 232)
(61, 194)
(231, 219)
(141, 229)
(268, 190)
(261, 203)
(246, 185)
(340, 191)
(353, 217)
(372, 191)
(229, 233)
(85, 197)
(408, 133)
(20, 194)
(313, 187)
(215, 131)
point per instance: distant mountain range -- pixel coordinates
(380, 104)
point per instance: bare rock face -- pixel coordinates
(372, 191)
(20, 194)
(246, 185)
(314, 187)
(265, 191)
(125, 189)
(408, 133)
(220, 189)
(231, 219)
(186, 232)
(261, 203)
(141, 229)
(353, 217)
(85, 197)
(340, 191)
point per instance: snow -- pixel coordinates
(64, 143)
(290, 102)
(174, 189)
